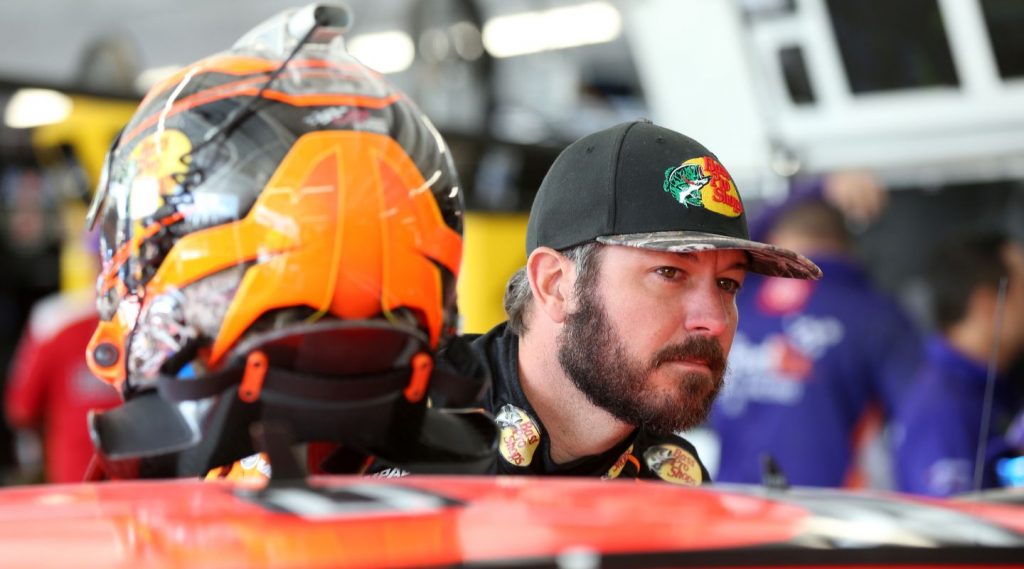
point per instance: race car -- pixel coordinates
(428, 521)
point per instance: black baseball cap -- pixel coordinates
(641, 185)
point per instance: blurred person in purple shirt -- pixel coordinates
(945, 416)
(814, 364)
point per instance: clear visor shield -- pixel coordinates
(100, 195)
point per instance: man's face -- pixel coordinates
(648, 340)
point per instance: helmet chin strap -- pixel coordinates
(283, 393)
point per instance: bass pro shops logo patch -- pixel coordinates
(703, 182)
(520, 435)
(673, 464)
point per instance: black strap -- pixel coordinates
(303, 385)
(177, 390)
(460, 378)
(452, 389)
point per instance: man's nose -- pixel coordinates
(708, 310)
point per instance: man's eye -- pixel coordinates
(729, 285)
(670, 273)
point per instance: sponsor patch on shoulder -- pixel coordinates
(520, 435)
(255, 466)
(674, 464)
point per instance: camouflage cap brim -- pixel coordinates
(765, 259)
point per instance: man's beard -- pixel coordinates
(597, 362)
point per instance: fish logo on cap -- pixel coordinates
(703, 182)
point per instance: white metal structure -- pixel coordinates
(689, 55)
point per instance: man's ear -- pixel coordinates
(551, 280)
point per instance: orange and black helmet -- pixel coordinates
(273, 192)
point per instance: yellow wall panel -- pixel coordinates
(494, 248)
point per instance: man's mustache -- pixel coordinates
(700, 348)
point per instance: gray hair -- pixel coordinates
(518, 293)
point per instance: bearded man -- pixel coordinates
(621, 321)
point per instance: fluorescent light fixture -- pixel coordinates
(36, 107)
(466, 37)
(557, 28)
(384, 52)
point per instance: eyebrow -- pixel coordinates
(744, 264)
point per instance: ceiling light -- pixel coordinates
(384, 52)
(557, 28)
(36, 107)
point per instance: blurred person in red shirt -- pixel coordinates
(50, 388)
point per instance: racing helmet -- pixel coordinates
(280, 229)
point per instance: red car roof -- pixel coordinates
(425, 521)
